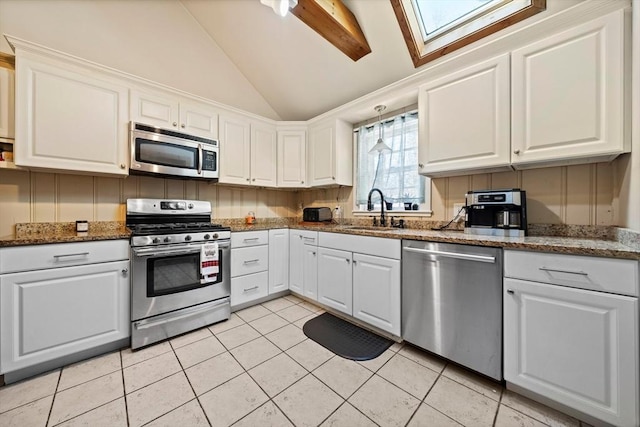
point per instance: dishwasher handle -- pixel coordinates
(444, 254)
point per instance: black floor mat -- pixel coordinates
(345, 339)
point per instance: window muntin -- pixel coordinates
(395, 173)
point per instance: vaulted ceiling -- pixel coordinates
(298, 72)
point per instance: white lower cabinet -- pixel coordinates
(335, 281)
(576, 347)
(249, 266)
(310, 271)
(360, 276)
(303, 263)
(51, 313)
(376, 291)
(278, 260)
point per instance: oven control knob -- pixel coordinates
(190, 205)
(156, 240)
(187, 238)
(215, 235)
(167, 239)
(206, 236)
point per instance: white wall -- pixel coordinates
(629, 171)
(157, 40)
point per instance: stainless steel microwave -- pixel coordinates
(164, 152)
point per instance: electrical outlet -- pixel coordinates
(456, 209)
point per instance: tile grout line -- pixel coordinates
(124, 390)
(427, 394)
(53, 400)
(495, 417)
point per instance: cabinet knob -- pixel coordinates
(348, 260)
(313, 253)
(247, 179)
(125, 271)
(123, 166)
(175, 124)
(421, 165)
(516, 151)
(510, 291)
(355, 262)
(333, 178)
(301, 182)
(253, 179)
(182, 126)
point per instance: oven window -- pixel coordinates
(177, 273)
(166, 154)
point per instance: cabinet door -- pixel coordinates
(235, 150)
(322, 155)
(568, 92)
(376, 292)
(278, 260)
(48, 314)
(263, 155)
(310, 271)
(71, 119)
(576, 347)
(464, 120)
(7, 103)
(198, 119)
(335, 280)
(156, 109)
(296, 257)
(292, 158)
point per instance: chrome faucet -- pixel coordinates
(383, 221)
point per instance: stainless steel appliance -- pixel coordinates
(316, 214)
(496, 212)
(169, 296)
(168, 153)
(452, 302)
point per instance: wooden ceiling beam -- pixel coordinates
(336, 23)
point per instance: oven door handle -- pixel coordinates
(181, 250)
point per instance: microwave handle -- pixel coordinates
(199, 159)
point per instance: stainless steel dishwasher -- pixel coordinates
(452, 302)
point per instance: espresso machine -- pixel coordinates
(496, 212)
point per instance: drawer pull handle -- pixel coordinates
(251, 289)
(581, 273)
(251, 261)
(57, 257)
(510, 291)
(311, 239)
(253, 239)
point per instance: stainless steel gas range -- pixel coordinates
(170, 295)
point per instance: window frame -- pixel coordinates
(355, 210)
(477, 28)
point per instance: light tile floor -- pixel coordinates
(259, 369)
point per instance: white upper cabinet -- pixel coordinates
(330, 153)
(70, 117)
(568, 95)
(7, 121)
(465, 120)
(167, 110)
(247, 151)
(292, 158)
(235, 150)
(263, 154)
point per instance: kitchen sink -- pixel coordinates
(368, 228)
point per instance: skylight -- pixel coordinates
(432, 28)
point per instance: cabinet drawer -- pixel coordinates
(38, 257)
(249, 238)
(248, 288)
(618, 276)
(375, 246)
(249, 260)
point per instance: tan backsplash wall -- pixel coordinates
(580, 194)
(45, 197)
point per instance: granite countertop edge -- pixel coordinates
(564, 245)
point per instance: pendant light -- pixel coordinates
(380, 146)
(280, 7)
